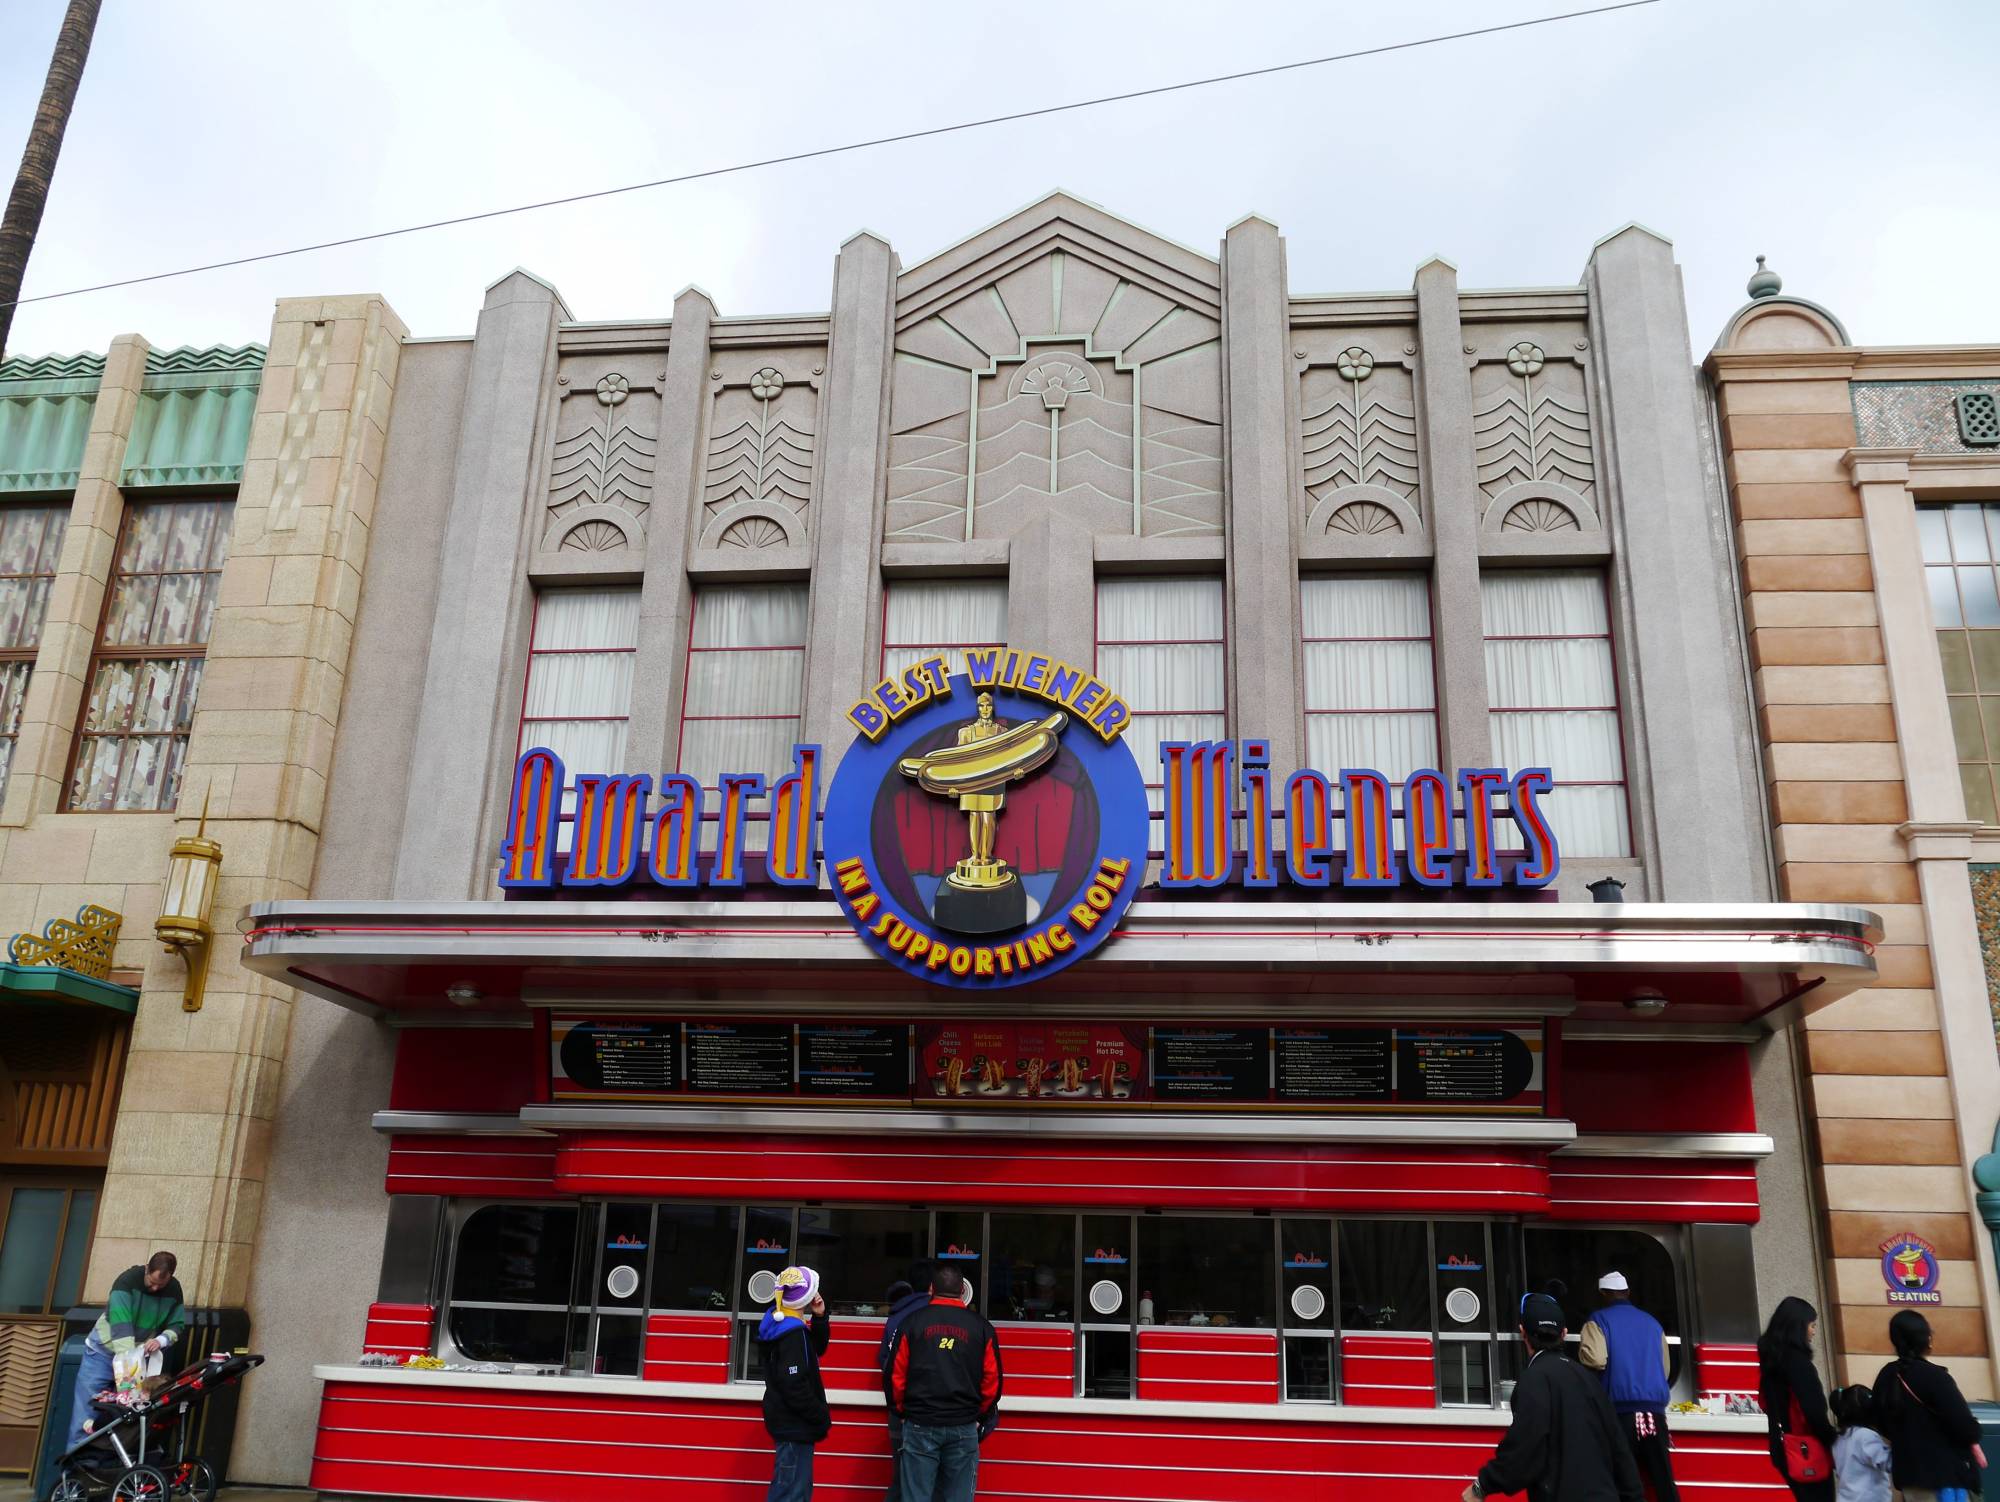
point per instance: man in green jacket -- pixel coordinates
(143, 1313)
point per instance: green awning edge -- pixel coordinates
(51, 985)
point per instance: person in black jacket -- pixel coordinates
(944, 1383)
(1785, 1373)
(1564, 1444)
(792, 1337)
(903, 1298)
(1933, 1437)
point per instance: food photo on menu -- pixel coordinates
(1053, 1062)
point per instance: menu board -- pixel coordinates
(1349, 1065)
(1212, 1063)
(1052, 1063)
(739, 1058)
(613, 1058)
(1454, 1066)
(1446, 1069)
(858, 1059)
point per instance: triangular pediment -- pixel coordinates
(1060, 221)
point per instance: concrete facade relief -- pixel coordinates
(1359, 450)
(605, 444)
(1066, 380)
(763, 440)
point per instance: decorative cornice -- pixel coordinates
(51, 367)
(1947, 840)
(187, 359)
(1878, 466)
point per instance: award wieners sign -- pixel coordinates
(988, 828)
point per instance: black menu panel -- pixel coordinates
(740, 1058)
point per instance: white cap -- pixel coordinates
(1613, 1283)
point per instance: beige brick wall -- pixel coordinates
(1879, 1096)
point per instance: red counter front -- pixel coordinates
(555, 1439)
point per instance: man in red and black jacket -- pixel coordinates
(944, 1381)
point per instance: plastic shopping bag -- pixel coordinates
(130, 1368)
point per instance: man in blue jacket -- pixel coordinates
(1627, 1348)
(905, 1298)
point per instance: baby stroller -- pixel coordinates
(137, 1450)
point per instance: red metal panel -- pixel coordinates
(1658, 1087)
(1656, 1189)
(1388, 1371)
(849, 1362)
(1180, 1363)
(483, 1069)
(687, 1348)
(434, 1440)
(1040, 1360)
(496, 1167)
(400, 1329)
(1079, 1172)
(1721, 1370)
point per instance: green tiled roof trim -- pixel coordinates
(45, 405)
(193, 421)
(50, 985)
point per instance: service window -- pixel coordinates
(1465, 1312)
(1033, 1272)
(512, 1271)
(1108, 1306)
(1577, 1256)
(694, 1257)
(1385, 1276)
(859, 1253)
(767, 1251)
(1209, 1270)
(958, 1239)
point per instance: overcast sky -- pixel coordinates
(1853, 143)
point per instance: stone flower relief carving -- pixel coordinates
(1531, 435)
(763, 423)
(601, 470)
(1067, 385)
(1357, 436)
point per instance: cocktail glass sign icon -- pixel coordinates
(1910, 1268)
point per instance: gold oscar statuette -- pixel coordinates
(976, 771)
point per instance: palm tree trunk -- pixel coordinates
(38, 160)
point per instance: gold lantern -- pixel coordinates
(192, 867)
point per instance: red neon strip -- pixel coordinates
(316, 930)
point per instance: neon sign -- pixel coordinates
(991, 827)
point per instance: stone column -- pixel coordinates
(1444, 409)
(1261, 522)
(1052, 591)
(76, 599)
(1937, 833)
(1671, 559)
(844, 645)
(200, 1090)
(483, 596)
(666, 599)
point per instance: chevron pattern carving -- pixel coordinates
(760, 447)
(27, 1361)
(1531, 423)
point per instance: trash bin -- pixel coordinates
(62, 1396)
(1988, 1415)
(209, 1331)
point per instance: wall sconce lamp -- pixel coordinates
(192, 867)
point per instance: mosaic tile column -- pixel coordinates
(187, 1162)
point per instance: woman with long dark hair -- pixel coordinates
(1795, 1401)
(1933, 1437)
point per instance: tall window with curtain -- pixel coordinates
(1961, 551)
(579, 696)
(1553, 698)
(941, 617)
(30, 540)
(150, 650)
(1370, 684)
(745, 681)
(1160, 646)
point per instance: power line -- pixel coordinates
(826, 151)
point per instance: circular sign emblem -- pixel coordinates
(986, 840)
(622, 1281)
(1910, 1268)
(763, 1286)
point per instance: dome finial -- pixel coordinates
(1764, 282)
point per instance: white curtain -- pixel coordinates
(580, 676)
(924, 618)
(1554, 699)
(1368, 665)
(746, 683)
(1160, 648)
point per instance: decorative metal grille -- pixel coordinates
(1979, 419)
(84, 944)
